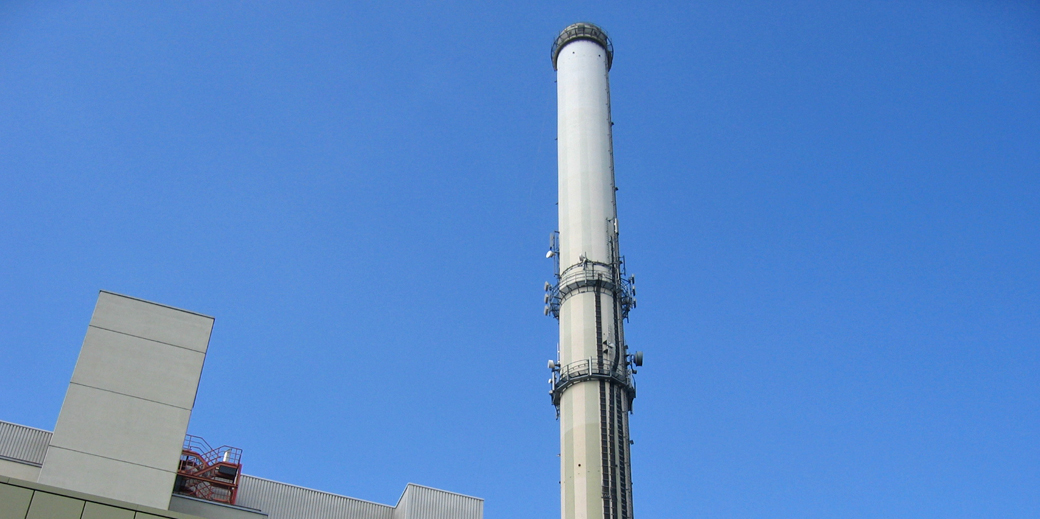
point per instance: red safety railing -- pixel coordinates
(208, 473)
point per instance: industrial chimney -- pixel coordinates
(592, 385)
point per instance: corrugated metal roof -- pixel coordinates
(284, 501)
(24, 444)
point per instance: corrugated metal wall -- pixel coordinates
(21, 443)
(419, 502)
(282, 501)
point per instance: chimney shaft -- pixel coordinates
(592, 384)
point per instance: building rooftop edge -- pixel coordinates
(109, 292)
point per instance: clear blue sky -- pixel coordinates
(832, 209)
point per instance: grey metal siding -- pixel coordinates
(283, 501)
(419, 502)
(21, 443)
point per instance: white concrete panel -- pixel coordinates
(119, 427)
(110, 478)
(152, 321)
(22, 471)
(128, 405)
(140, 367)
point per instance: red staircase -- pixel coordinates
(208, 473)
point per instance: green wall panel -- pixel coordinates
(50, 506)
(14, 501)
(99, 511)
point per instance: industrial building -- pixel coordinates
(120, 448)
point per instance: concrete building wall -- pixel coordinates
(121, 428)
(18, 470)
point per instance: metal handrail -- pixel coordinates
(209, 473)
(581, 277)
(224, 453)
(588, 369)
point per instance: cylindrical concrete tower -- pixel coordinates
(592, 385)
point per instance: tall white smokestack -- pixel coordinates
(592, 385)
